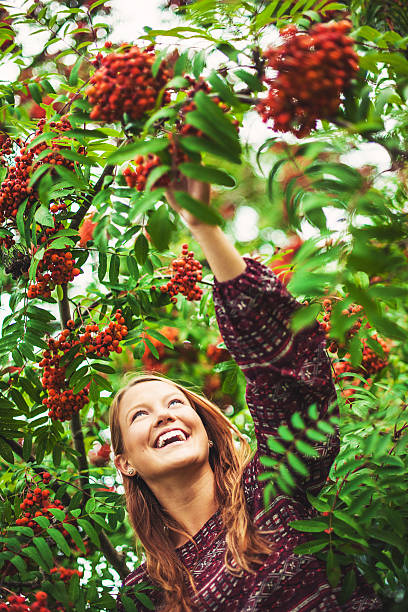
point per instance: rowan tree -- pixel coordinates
(98, 280)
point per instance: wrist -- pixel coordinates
(203, 232)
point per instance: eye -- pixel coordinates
(134, 415)
(178, 401)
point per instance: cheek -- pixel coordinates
(136, 436)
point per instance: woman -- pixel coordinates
(193, 498)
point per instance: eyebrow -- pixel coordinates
(142, 405)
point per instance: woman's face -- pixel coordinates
(147, 411)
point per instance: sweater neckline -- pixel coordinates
(203, 537)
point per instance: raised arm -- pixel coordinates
(223, 258)
(285, 372)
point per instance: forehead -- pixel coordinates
(147, 391)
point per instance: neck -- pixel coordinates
(191, 502)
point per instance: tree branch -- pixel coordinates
(117, 560)
(81, 212)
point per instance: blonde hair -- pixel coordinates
(153, 525)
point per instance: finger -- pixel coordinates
(199, 190)
(172, 200)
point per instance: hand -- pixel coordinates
(197, 190)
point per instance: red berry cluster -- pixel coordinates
(15, 187)
(65, 573)
(144, 165)
(186, 272)
(352, 310)
(313, 70)
(124, 83)
(18, 603)
(62, 402)
(55, 268)
(102, 342)
(371, 362)
(36, 503)
(7, 147)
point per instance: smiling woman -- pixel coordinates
(193, 497)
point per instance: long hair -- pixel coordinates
(245, 543)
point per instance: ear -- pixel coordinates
(122, 464)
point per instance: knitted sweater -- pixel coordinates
(285, 373)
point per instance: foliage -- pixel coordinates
(80, 194)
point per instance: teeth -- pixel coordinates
(170, 434)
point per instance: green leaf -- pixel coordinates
(276, 446)
(155, 175)
(198, 63)
(223, 89)
(132, 267)
(59, 540)
(38, 173)
(319, 504)
(73, 75)
(223, 130)
(160, 228)
(35, 92)
(103, 367)
(142, 147)
(141, 249)
(372, 59)
(306, 449)
(19, 563)
(75, 535)
(5, 451)
(44, 551)
(333, 569)
(71, 178)
(304, 317)
(27, 445)
(196, 208)
(151, 347)
(77, 157)
(102, 267)
(158, 336)
(297, 465)
(90, 531)
(207, 174)
(42, 521)
(297, 421)
(145, 600)
(58, 513)
(250, 79)
(310, 526)
(308, 548)
(128, 603)
(20, 219)
(114, 269)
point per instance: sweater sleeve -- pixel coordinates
(285, 372)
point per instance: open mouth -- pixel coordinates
(176, 436)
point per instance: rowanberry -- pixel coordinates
(312, 70)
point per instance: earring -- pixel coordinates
(210, 443)
(131, 471)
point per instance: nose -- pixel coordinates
(164, 416)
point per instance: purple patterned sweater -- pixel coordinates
(285, 373)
